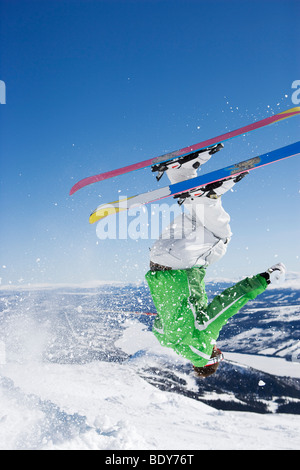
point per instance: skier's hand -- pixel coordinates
(277, 273)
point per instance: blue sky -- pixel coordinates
(98, 84)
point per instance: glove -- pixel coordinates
(276, 273)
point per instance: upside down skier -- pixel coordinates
(178, 261)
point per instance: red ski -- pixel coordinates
(186, 150)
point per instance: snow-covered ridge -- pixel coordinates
(50, 286)
(292, 282)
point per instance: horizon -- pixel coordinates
(292, 281)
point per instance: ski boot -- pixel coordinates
(187, 164)
(212, 190)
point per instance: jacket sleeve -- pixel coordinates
(230, 301)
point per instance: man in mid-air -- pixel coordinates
(178, 260)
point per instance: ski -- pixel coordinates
(186, 150)
(188, 185)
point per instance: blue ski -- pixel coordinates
(190, 185)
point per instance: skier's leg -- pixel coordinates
(200, 235)
(197, 237)
(211, 214)
(187, 170)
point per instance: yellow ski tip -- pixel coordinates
(107, 209)
(288, 113)
(103, 212)
(296, 110)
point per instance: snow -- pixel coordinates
(107, 406)
(271, 365)
(101, 405)
(104, 405)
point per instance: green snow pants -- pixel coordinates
(186, 322)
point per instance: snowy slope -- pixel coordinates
(108, 406)
(77, 373)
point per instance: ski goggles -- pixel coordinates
(218, 358)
